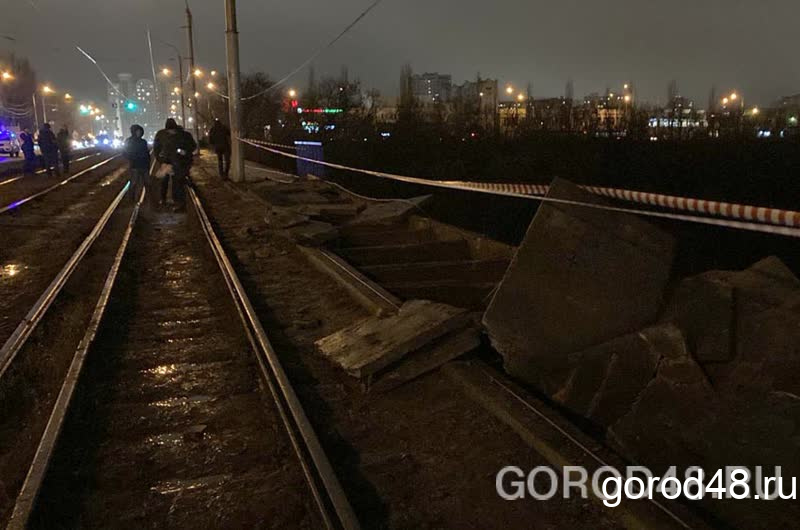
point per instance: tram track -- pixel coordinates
(171, 404)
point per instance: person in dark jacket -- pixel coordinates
(64, 146)
(29, 150)
(138, 154)
(220, 139)
(174, 146)
(49, 147)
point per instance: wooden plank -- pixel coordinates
(430, 358)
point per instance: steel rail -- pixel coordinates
(18, 177)
(23, 331)
(286, 400)
(26, 500)
(36, 195)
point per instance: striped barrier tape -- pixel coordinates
(740, 216)
(270, 144)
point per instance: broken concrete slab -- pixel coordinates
(768, 352)
(607, 379)
(377, 342)
(768, 283)
(703, 307)
(581, 277)
(337, 211)
(312, 233)
(283, 217)
(429, 358)
(668, 418)
(387, 213)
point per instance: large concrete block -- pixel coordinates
(606, 380)
(703, 307)
(582, 276)
(388, 213)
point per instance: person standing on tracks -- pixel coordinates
(220, 139)
(29, 151)
(64, 146)
(174, 146)
(49, 147)
(138, 154)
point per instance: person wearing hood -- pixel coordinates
(64, 146)
(49, 147)
(174, 146)
(220, 139)
(138, 155)
(29, 151)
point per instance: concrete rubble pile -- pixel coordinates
(702, 372)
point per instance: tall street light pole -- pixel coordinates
(193, 75)
(234, 91)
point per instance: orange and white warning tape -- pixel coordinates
(739, 216)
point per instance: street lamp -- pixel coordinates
(211, 86)
(520, 97)
(292, 93)
(166, 71)
(45, 91)
(6, 76)
(198, 72)
(68, 97)
(213, 73)
(509, 89)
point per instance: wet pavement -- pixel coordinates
(38, 239)
(171, 427)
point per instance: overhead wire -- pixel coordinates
(316, 54)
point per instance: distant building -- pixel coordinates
(147, 108)
(485, 93)
(431, 88)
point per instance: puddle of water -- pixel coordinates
(182, 401)
(11, 270)
(176, 486)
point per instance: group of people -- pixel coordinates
(173, 150)
(51, 146)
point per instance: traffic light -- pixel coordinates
(130, 106)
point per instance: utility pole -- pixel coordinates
(181, 89)
(234, 91)
(192, 71)
(35, 111)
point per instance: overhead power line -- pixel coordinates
(316, 53)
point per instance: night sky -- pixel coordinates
(750, 46)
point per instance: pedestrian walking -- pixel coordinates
(49, 148)
(174, 146)
(64, 147)
(29, 151)
(220, 139)
(138, 155)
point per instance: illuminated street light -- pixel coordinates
(292, 93)
(198, 72)
(211, 86)
(509, 89)
(68, 97)
(627, 98)
(725, 101)
(213, 73)
(166, 71)
(176, 90)
(197, 95)
(734, 96)
(7, 76)
(520, 97)
(755, 111)
(47, 90)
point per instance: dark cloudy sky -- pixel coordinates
(749, 45)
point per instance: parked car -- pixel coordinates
(9, 143)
